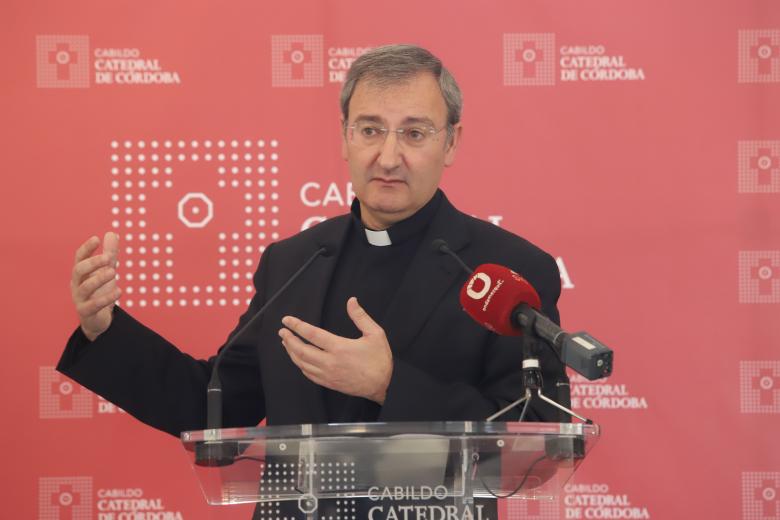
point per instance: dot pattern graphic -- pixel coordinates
(758, 56)
(526, 52)
(65, 497)
(758, 166)
(760, 495)
(327, 477)
(141, 170)
(61, 398)
(759, 387)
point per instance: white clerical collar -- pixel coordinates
(378, 238)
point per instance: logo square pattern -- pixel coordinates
(63, 61)
(296, 61)
(532, 510)
(759, 387)
(61, 398)
(759, 276)
(761, 495)
(759, 56)
(65, 498)
(758, 164)
(529, 59)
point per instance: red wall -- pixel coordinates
(654, 177)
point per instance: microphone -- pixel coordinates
(440, 245)
(214, 452)
(503, 301)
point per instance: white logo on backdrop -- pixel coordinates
(296, 60)
(532, 509)
(65, 498)
(604, 394)
(759, 387)
(529, 59)
(61, 398)
(760, 495)
(758, 56)
(597, 500)
(759, 276)
(66, 62)
(532, 59)
(758, 166)
(63, 61)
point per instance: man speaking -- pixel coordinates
(372, 329)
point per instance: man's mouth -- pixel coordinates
(383, 180)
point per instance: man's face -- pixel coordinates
(391, 179)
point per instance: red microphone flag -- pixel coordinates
(492, 293)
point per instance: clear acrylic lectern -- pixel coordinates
(452, 462)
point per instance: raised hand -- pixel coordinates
(93, 284)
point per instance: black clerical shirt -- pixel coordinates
(372, 273)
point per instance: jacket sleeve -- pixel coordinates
(148, 377)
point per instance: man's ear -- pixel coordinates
(344, 151)
(452, 144)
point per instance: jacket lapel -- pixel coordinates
(305, 401)
(430, 275)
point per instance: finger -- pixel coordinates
(86, 249)
(307, 354)
(102, 278)
(87, 267)
(314, 335)
(361, 319)
(111, 245)
(97, 303)
(308, 369)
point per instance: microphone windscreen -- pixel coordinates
(439, 245)
(492, 293)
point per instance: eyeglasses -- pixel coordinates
(367, 134)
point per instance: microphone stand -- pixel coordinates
(532, 375)
(215, 452)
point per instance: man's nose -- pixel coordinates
(390, 153)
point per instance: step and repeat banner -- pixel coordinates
(638, 142)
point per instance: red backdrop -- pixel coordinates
(639, 142)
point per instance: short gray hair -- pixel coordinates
(393, 64)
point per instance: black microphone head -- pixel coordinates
(326, 250)
(216, 454)
(439, 245)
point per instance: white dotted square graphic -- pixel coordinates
(758, 166)
(758, 56)
(182, 207)
(761, 495)
(329, 477)
(297, 60)
(65, 498)
(62, 61)
(759, 276)
(529, 59)
(522, 509)
(759, 387)
(61, 398)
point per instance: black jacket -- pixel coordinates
(446, 366)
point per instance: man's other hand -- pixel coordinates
(360, 367)
(93, 284)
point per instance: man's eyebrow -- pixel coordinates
(411, 120)
(368, 117)
(419, 120)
